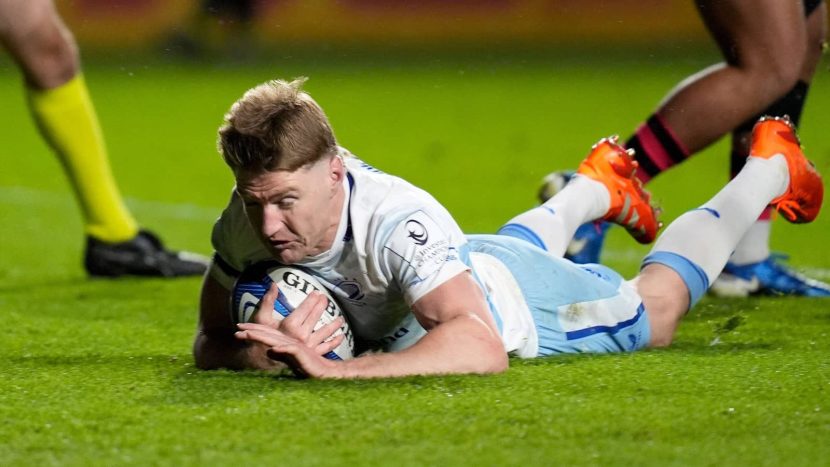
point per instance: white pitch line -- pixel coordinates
(24, 196)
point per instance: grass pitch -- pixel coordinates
(100, 372)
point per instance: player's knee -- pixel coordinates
(664, 317)
(773, 72)
(57, 59)
(45, 48)
(661, 340)
(666, 298)
(781, 75)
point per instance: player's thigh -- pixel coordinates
(763, 35)
(612, 320)
(616, 323)
(575, 308)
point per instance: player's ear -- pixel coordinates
(337, 168)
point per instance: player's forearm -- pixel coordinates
(215, 351)
(462, 345)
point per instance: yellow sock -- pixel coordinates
(68, 122)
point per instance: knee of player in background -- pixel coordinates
(48, 55)
(771, 68)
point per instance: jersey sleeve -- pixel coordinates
(235, 244)
(421, 252)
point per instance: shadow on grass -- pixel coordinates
(117, 361)
(174, 380)
(201, 387)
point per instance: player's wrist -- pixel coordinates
(255, 356)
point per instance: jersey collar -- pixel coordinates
(344, 232)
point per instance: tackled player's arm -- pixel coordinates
(215, 346)
(462, 337)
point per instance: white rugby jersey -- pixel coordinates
(395, 243)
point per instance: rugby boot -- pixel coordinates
(143, 255)
(767, 277)
(801, 202)
(614, 166)
(586, 245)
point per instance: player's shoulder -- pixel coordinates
(388, 212)
(233, 238)
(378, 193)
(232, 217)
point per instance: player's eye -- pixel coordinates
(286, 203)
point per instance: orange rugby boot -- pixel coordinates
(801, 202)
(613, 166)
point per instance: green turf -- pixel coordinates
(100, 372)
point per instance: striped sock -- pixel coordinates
(656, 148)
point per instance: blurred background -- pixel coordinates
(473, 100)
(201, 26)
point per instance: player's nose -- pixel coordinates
(272, 221)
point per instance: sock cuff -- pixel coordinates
(693, 275)
(523, 233)
(46, 97)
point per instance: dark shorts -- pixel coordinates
(811, 5)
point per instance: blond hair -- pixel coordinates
(275, 126)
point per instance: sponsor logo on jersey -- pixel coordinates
(391, 338)
(432, 254)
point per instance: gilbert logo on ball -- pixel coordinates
(294, 286)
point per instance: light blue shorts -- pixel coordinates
(576, 308)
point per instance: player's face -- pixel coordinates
(295, 213)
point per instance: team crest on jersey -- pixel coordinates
(417, 232)
(419, 242)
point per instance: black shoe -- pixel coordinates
(144, 255)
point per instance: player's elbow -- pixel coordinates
(489, 355)
(497, 363)
(210, 352)
(201, 353)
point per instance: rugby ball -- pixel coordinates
(294, 286)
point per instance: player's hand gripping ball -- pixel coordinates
(294, 286)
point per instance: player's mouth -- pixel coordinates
(280, 245)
